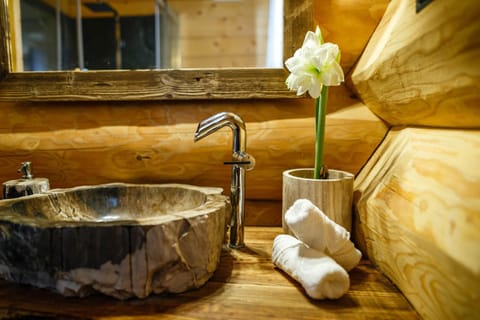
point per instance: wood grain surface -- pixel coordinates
(424, 69)
(83, 144)
(245, 286)
(348, 24)
(418, 217)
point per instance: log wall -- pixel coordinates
(418, 198)
(77, 143)
(418, 216)
(424, 68)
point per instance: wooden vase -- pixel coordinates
(333, 195)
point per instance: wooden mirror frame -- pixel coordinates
(162, 84)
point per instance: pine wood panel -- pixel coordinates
(79, 144)
(238, 61)
(231, 18)
(228, 48)
(246, 285)
(424, 69)
(226, 30)
(241, 51)
(418, 216)
(348, 24)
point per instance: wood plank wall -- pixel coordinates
(227, 34)
(418, 198)
(97, 142)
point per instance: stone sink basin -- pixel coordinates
(122, 240)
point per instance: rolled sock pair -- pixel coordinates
(319, 255)
(320, 275)
(311, 226)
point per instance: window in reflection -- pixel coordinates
(149, 34)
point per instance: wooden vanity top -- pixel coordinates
(246, 285)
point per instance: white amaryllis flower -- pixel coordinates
(314, 65)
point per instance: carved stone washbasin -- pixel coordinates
(123, 240)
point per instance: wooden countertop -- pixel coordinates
(246, 285)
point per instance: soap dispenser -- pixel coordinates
(25, 186)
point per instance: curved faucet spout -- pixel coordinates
(241, 162)
(220, 120)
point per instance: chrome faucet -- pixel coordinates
(26, 170)
(241, 161)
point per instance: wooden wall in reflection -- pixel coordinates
(222, 34)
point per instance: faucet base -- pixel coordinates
(236, 246)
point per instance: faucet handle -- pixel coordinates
(242, 159)
(237, 162)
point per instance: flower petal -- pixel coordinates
(311, 39)
(318, 33)
(315, 90)
(334, 75)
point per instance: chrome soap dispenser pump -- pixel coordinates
(25, 186)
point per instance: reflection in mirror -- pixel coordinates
(148, 34)
(185, 83)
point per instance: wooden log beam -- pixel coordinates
(348, 24)
(417, 217)
(424, 69)
(76, 145)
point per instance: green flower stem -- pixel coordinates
(320, 113)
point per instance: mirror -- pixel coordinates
(147, 82)
(147, 34)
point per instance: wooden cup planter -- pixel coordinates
(333, 195)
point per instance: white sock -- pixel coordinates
(320, 275)
(310, 225)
